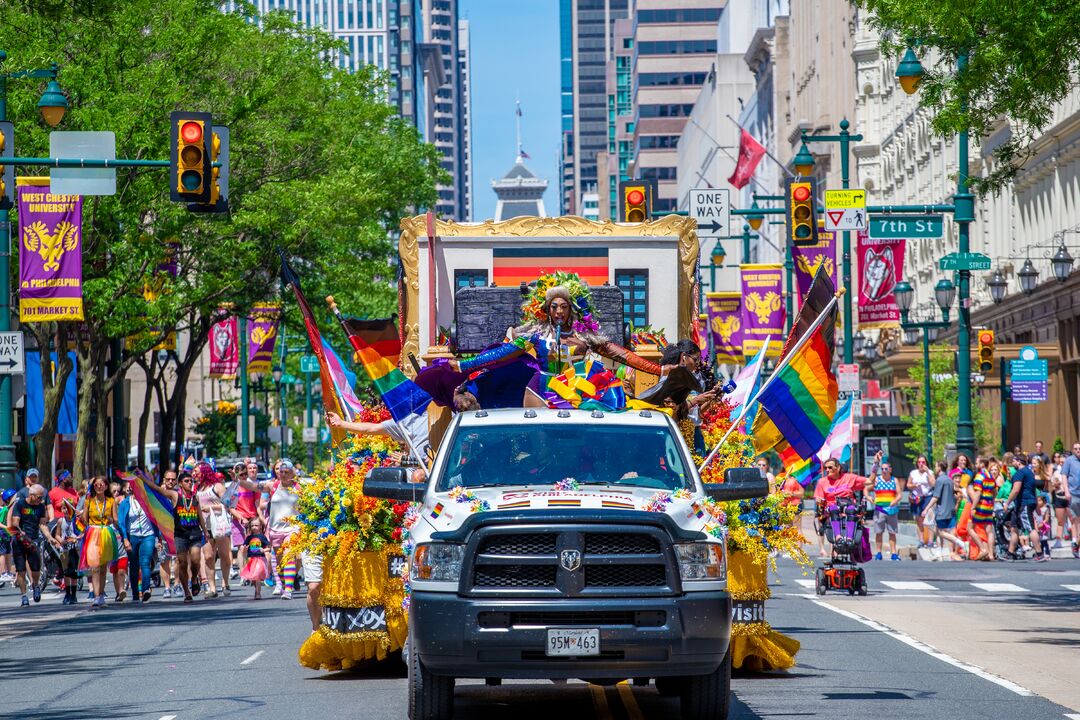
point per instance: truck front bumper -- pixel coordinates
(506, 638)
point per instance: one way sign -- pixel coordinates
(12, 359)
(711, 207)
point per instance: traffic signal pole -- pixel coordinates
(964, 215)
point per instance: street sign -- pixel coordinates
(1030, 376)
(251, 429)
(845, 209)
(907, 226)
(311, 434)
(309, 364)
(711, 208)
(848, 378)
(12, 358)
(964, 261)
(84, 146)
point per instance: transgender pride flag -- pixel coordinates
(839, 440)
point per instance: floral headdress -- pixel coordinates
(583, 308)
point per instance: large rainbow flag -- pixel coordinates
(156, 506)
(337, 387)
(798, 403)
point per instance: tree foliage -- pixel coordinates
(320, 166)
(1023, 59)
(944, 407)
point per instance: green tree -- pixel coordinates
(320, 165)
(944, 407)
(1022, 61)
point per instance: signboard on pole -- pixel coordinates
(311, 434)
(848, 378)
(964, 261)
(907, 226)
(1030, 376)
(12, 357)
(309, 364)
(845, 209)
(711, 208)
(82, 146)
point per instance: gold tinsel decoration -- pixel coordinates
(352, 580)
(755, 647)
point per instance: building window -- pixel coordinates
(470, 278)
(635, 287)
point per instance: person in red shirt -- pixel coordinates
(836, 484)
(64, 489)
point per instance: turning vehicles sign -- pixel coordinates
(845, 209)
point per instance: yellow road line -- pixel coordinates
(603, 712)
(626, 692)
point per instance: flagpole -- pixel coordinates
(771, 156)
(776, 371)
(341, 319)
(724, 150)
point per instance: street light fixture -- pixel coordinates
(1028, 277)
(945, 293)
(53, 103)
(1062, 264)
(276, 371)
(756, 217)
(911, 336)
(804, 161)
(998, 285)
(909, 72)
(858, 341)
(718, 256)
(904, 294)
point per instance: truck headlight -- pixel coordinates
(437, 562)
(701, 561)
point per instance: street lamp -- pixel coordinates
(276, 371)
(909, 72)
(904, 294)
(1028, 277)
(53, 103)
(858, 342)
(911, 336)
(717, 257)
(804, 161)
(756, 217)
(998, 286)
(1062, 264)
(945, 293)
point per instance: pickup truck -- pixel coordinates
(558, 544)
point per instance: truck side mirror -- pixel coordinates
(739, 484)
(392, 483)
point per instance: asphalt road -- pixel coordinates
(236, 658)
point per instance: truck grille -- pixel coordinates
(621, 561)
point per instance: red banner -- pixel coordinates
(750, 154)
(881, 266)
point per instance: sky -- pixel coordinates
(514, 48)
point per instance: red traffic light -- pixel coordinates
(635, 197)
(801, 193)
(986, 338)
(191, 132)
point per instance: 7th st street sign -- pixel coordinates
(907, 227)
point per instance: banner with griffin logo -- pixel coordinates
(881, 267)
(762, 307)
(725, 324)
(808, 258)
(50, 255)
(224, 348)
(262, 334)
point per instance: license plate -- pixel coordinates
(573, 643)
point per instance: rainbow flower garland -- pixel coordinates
(579, 293)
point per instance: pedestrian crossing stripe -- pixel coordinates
(999, 587)
(1074, 588)
(908, 585)
(804, 582)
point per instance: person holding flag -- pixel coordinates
(139, 535)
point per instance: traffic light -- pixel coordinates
(801, 214)
(219, 175)
(635, 202)
(986, 351)
(190, 149)
(7, 171)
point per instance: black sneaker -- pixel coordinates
(37, 594)
(1076, 550)
(196, 587)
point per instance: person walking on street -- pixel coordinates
(189, 532)
(1059, 500)
(27, 524)
(166, 560)
(67, 535)
(257, 567)
(6, 561)
(1071, 470)
(118, 568)
(1023, 497)
(216, 519)
(245, 508)
(139, 536)
(943, 506)
(99, 546)
(920, 486)
(961, 467)
(283, 497)
(887, 495)
(981, 492)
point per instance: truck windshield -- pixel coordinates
(545, 453)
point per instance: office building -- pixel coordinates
(586, 45)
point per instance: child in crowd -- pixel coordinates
(257, 546)
(67, 534)
(1042, 522)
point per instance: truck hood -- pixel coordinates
(447, 511)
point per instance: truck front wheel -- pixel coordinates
(431, 697)
(707, 697)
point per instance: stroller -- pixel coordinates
(843, 523)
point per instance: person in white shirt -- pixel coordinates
(920, 487)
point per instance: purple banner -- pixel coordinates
(50, 255)
(725, 325)
(262, 334)
(762, 308)
(808, 258)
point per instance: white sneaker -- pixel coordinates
(287, 595)
(167, 592)
(277, 590)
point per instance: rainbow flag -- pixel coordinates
(512, 266)
(337, 382)
(798, 403)
(841, 436)
(156, 506)
(805, 471)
